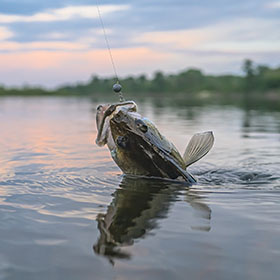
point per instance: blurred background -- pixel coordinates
(177, 46)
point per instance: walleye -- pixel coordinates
(138, 148)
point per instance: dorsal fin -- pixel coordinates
(199, 145)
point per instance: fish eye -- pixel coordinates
(141, 125)
(99, 107)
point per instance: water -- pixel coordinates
(66, 212)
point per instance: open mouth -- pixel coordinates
(131, 106)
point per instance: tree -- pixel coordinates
(248, 68)
(249, 71)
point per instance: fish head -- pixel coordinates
(104, 113)
(126, 124)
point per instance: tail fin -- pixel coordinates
(199, 145)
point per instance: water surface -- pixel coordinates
(66, 211)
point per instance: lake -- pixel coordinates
(67, 212)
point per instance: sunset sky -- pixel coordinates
(52, 42)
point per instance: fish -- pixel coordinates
(139, 149)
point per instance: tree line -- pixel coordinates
(256, 78)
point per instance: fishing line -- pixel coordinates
(117, 86)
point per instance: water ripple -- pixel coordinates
(64, 204)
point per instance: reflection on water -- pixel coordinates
(61, 196)
(134, 211)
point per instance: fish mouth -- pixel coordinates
(105, 112)
(101, 109)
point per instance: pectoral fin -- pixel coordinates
(199, 145)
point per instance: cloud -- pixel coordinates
(5, 33)
(7, 46)
(273, 5)
(62, 14)
(53, 41)
(88, 35)
(242, 35)
(55, 36)
(245, 35)
(179, 39)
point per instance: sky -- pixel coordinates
(52, 43)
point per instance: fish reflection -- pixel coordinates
(135, 210)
